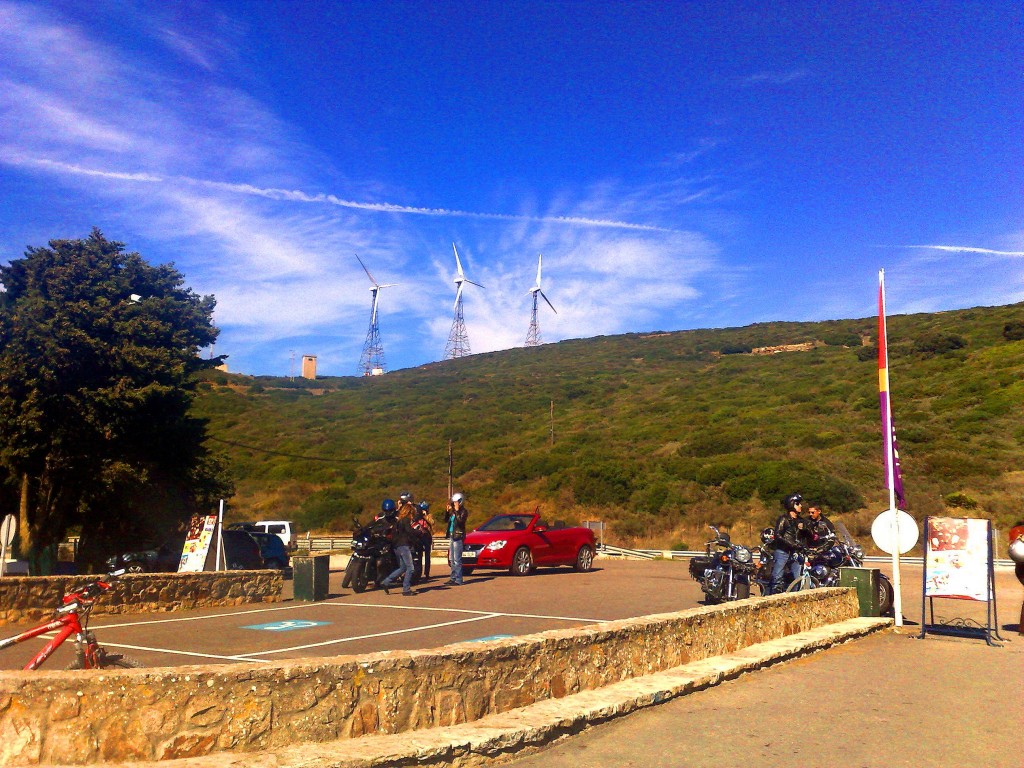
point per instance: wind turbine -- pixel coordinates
(533, 335)
(458, 340)
(371, 363)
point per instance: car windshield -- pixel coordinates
(507, 523)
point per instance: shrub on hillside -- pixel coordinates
(841, 339)
(937, 343)
(1014, 331)
(960, 500)
(736, 349)
(603, 484)
(330, 508)
(776, 479)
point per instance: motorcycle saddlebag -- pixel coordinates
(700, 564)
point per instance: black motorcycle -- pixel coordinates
(821, 561)
(725, 571)
(373, 557)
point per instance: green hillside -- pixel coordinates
(656, 434)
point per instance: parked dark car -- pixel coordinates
(272, 549)
(241, 552)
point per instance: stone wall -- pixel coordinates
(34, 598)
(158, 714)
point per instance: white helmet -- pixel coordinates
(458, 497)
(1017, 550)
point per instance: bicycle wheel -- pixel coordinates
(108, 661)
(804, 582)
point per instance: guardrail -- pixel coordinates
(329, 543)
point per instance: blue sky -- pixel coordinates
(678, 165)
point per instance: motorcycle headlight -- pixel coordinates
(741, 554)
(820, 571)
(494, 546)
(857, 551)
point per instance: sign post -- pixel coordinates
(7, 529)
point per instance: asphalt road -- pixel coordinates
(489, 604)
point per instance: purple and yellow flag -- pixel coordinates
(895, 481)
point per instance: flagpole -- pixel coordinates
(890, 456)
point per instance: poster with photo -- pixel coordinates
(957, 558)
(197, 543)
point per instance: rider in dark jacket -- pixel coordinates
(818, 528)
(787, 543)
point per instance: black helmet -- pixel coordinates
(424, 506)
(767, 534)
(791, 501)
(387, 507)
(404, 497)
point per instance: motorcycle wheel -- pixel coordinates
(885, 597)
(742, 591)
(359, 577)
(417, 569)
(347, 581)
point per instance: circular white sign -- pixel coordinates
(887, 535)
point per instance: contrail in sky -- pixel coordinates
(965, 249)
(321, 199)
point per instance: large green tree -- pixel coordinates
(97, 354)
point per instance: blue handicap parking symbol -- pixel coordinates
(287, 625)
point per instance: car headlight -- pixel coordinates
(496, 545)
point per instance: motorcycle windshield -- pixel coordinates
(843, 534)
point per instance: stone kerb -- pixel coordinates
(34, 598)
(160, 714)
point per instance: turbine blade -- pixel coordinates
(458, 264)
(472, 283)
(538, 270)
(458, 295)
(373, 313)
(365, 269)
(549, 303)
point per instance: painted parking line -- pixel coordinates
(377, 634)
(179, 619)
(172, 651)
(466, 610)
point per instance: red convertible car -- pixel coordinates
(521, 542)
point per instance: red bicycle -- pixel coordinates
(72, 618)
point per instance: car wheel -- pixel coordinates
(274, 563)
(467, 571)
(522, 562)
(135, 568)
(584, 559)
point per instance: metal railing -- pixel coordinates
(332, 543)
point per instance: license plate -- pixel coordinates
(469, 555)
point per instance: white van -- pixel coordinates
(285, 529)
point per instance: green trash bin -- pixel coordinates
(309, 577)
(865, 580)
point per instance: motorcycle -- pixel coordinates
(820, 564)
(373, 558)
(726, 573)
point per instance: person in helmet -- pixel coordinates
(423, 522)
(787, 543)
(388, 510)
(403, 539)
(455, 524)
